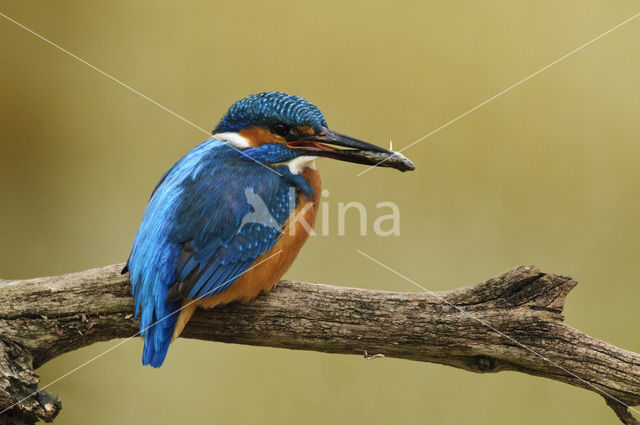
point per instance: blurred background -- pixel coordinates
(546, 174)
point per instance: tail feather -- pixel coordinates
(157, 334)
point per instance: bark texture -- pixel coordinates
(511, 322)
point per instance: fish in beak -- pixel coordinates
(324, 144)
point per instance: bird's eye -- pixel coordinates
(281, 129)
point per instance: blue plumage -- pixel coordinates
(189, 233)
(266, 109)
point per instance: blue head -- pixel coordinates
(275, 128)
(271, 110)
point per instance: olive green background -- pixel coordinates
(546, 174)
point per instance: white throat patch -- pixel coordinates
(296, 165)
(234, 139)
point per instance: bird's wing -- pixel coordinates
(190, 242)
(216, 248)
(205, 270)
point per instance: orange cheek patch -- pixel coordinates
(259, 136)
(305, 130)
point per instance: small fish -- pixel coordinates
(395, 160)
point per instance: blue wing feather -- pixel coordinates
(192, 243)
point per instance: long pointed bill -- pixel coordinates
(356, 150)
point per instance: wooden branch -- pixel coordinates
(45, 317)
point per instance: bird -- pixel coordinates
(226, 221)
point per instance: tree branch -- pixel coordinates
(511, 322)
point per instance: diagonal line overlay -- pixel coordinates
(480, 105)
(483, 323)
(111, 77)
(91, 360)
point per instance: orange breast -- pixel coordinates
(269, 267)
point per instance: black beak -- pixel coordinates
(357, 151)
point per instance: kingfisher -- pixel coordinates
(226, 221)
